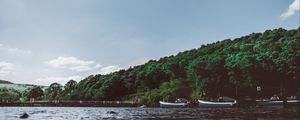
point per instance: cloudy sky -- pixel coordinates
(46, 41)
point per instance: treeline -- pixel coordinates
(233, 68)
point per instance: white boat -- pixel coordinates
(179, 103)
(215, 104)
(275, 103)
(172, 105)
(143, 106)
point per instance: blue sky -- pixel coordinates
(45, 41)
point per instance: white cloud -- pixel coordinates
(81, 67)
(61, 80)
(109, 69)
(15, 50)
(294, 7)
(75, 64)
(5, 68)
(71, 63)
(98, 66)
(19, 50)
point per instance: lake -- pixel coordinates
(104, 113)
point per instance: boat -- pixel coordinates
(143, 106)
(179, 103)
(215, 104)
(221, 103)
(276, 103)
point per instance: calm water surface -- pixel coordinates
(102, 113)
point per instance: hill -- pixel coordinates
(11, 92)
(234, 68)
(5, 82)
(16, 87)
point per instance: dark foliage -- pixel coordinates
(229, 67)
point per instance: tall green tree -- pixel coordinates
(35, 92)
(53, 92)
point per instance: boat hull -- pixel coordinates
(277, 103)
(172, 105)
(209, 104)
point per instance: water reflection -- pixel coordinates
(100, 113)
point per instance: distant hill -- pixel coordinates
(5, 82)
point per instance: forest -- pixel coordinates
(230, 67)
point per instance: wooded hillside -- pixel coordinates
(233, 68)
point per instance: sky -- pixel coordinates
(47, 41)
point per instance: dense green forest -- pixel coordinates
(233, 68)
(11, 92)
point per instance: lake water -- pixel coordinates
(102, 113)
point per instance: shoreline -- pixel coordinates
(73, 104)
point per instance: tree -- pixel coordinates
(70, 86)
(53, 92)
(35, 92)
(9, 95)
(68, 92)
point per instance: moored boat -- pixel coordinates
(220, 103)
(276, 103)
(179, 103)
(215, 104)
